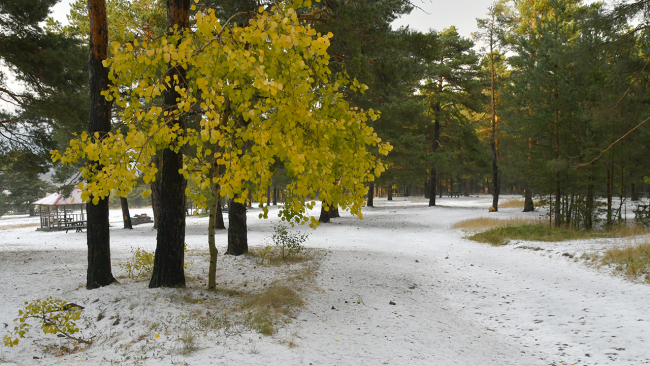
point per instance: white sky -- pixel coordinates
(441, 14)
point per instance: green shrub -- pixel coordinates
(292, 242)
(55, 316)
(141, 263)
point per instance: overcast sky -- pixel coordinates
(434, 14)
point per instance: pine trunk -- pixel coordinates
(493, 141)
(237, 229)
(155, 191)
(214, 211)
(390, 191)
(125, 213)
(98, 237)
(371, 194)
(168, 269)
(589, 210)
(219, 223)
(324, 214)
(529, 205)
(609, 198)
(433, 185)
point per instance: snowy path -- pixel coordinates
(457, 302)
(497, 305)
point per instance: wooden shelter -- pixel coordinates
(57, 212)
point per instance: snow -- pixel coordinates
(58, 199)
(457, 302)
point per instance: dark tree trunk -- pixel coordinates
(589, 210)
(98, 237)
(155, 191)
(125, 213)
(212, 223)
(219, 223)
(371, 194)
(390, 191)
(168, 269)
(237, 229)
(493, 140)
(334, 211)
(433, 179)
(529, 205)
(558, 203)
(609, 197)
(324, 215)
(275, 196)
(427, 188)
(634, 194)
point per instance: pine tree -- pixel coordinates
(98, 235)
(450, 89)
(168, 270)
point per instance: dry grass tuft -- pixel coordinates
(512, 203)
(18, 226)
(490, 222)
(275, 304)
(272, 255)
(541, 231)
(633, 260)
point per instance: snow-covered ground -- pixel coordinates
(456, 302)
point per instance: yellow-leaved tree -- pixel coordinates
(263, 93)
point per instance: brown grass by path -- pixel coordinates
(18, 226)
(491, 222)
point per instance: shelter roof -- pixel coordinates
(57, 199)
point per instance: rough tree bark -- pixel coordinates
(98, 238)
(125, 213)
(324, 215)
(529, 205)
(237, 229)
(214, 205)
(155, 191)
(168, 267)
(589, 210)
(219, 223)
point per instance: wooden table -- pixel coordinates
(77, 225)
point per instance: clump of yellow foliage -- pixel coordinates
(264, 93)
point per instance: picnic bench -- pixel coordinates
(141, 219)
(78, 226)
(642, 214)
(454, 194)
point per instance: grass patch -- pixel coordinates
(272, 255)
(272, 306)
(633, 260)
(18, 226)
(512, 203)
(502, 235)
(491, 222)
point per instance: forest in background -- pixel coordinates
(552, 106)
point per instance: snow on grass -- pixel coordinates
(401, 287)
